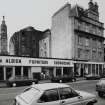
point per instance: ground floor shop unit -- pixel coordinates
(40, 68)
(84, 68)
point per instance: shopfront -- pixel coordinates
(83, 68)
(33, 67)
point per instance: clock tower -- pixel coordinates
(3, 38)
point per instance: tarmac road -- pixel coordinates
(7, 94)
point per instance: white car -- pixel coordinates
(54, 94)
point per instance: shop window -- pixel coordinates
(67, 71)
(93, 69)
(100, 69)
(17, 70)
(1, 73)
(97, 69)
(58, 71)
(89, 68)
(8, 72)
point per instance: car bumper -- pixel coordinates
(100, 88)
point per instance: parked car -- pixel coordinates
(65, 78)
(92, 77)
(54, 94)
(20, 80)
(100, 87)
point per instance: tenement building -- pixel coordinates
(78, 34)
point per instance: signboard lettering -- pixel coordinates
(61, 63)
(13, 60)
(38, 62)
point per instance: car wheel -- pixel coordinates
(14, 84)
(74, 80)
(90, 103)
(100, 94)
(36, 82)
(60, 81)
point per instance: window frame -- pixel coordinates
(72, 91)
(41, 101)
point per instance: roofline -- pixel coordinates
(67, 4)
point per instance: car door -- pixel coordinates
(69, 97)
(49, 97)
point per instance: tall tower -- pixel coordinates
(3, 38)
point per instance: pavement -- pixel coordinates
(3, 84)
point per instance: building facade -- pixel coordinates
(29, 42)
(11, 66)
(25, 42)
(79, 35)
(3, 38)
(45, 44)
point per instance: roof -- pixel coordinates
(47, 86)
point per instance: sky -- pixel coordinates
(37, 13)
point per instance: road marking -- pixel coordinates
(9, 94)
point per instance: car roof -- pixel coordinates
(47, 86)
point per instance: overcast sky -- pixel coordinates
(37, 13)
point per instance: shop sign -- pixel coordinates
(23, 61)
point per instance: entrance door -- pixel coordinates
(8, 72)
(82, 72)
(25, 71)
(58, 71)
(1, 73)
(18, 71)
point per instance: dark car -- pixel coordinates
(92, 77)
(20, 81)
(100, 87)
(64, 78)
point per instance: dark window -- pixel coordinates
(66, 93)
(49, 95)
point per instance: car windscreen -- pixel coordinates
(29, 95)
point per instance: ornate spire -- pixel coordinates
(3, 21)
(3, 17)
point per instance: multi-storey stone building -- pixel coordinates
(78, 34)
(25, 42)
(30, 42)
